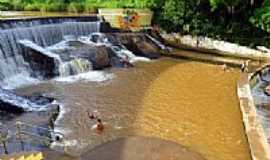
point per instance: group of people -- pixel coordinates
(99, 126)
(244, 66)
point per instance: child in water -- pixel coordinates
(99, 126)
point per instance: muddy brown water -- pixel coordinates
(191, 103)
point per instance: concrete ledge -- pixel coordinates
(259, 147)
(209, 45)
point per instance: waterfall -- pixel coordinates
(31, 22)
(118, 49)
(74, 67)
(13, 56)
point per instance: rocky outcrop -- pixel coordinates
(42, 62)
(139, 44)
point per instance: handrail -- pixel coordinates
(21, 129)
(38, 127)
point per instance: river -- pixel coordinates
(191, 103)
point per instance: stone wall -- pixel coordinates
(209, 45)
(259, 147)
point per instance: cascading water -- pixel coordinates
(32, 22)
(75, 67)
(100, 39)
(16, 66)
(13, 56)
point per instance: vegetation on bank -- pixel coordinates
(246, 22)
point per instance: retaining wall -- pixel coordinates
(209, 45)
(259, 147)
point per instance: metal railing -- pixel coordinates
(22, 130)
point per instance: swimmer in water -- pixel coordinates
(99, 126)
(92, 115)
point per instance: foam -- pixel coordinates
(20, 80)
(92, 76)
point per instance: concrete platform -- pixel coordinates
(141, 148)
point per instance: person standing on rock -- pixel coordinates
(244, 66)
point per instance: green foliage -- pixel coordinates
(261, 17)
(232, 20)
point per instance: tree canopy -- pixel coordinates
(235, 20)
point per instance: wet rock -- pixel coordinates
(40, 99)
(100, 59)
(139, 44)
(41, 64)
(9, 107)
(267, 90)
(13, 103)
(97, 55)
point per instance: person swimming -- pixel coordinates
(99, 126)
(92, 115)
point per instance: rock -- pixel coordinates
(9, 107)
(41, 63)
(267, 90)
(101, 58)
(10, 102)
(139, 44)
(97, 55)
(40, 99)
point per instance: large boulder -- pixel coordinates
(139, 44)
(42, 62)
(97, 55)
(100, 58)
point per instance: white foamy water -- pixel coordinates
(20, 80)
(61, 131)
(21, 102)
(121, 52)
(61, 45)
(92, 76)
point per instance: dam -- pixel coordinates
(190, 103)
